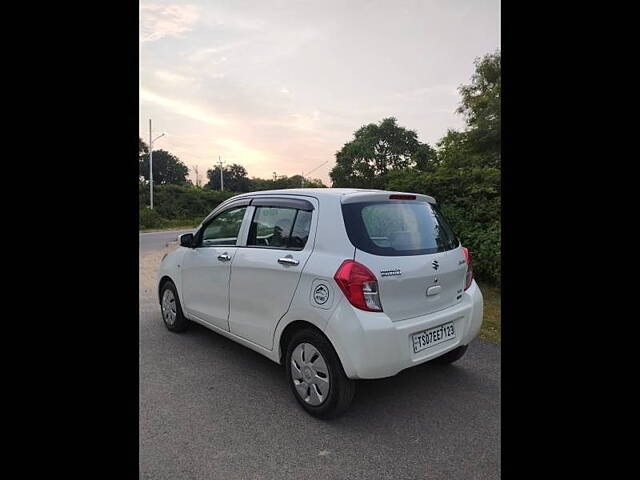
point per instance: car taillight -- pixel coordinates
(359, 285)
(469, 278)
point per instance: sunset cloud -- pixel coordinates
(281, 86)
(195, 112)
(158, 21)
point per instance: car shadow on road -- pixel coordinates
(413, 391)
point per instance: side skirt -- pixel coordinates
(270, 354)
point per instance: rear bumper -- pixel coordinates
(370, 345)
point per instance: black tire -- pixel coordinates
(452, 356)
(341, 389)
(181, 323)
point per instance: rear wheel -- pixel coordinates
(171, 309)
(452, 356)
(316, 376)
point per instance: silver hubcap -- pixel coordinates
(169, 307)
(310, 374)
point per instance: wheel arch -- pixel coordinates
(163, 280)
(290, 330)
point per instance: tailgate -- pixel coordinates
(411, 286)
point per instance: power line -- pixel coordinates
(313, 170)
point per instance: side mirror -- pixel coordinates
(186, 240)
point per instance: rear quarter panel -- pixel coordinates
(331, 248)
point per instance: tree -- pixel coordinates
(466, 175)
(480, 106)
(426, 158)
(295, 181)
(167, 168)
(142, 147)
(234, 176)
(479, 145)
(284, 182)
(375, 150)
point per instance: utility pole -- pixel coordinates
(195, 169)
(151, 140)
(150, 165)
(220, 162)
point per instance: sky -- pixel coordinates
(281, 86)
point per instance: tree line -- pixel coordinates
(168, 169)
(462, 170)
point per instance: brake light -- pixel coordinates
(469, 277)
(402, 197)
(359, 285)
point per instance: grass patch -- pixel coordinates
(491, 322)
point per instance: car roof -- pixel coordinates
(362, 193)
(307, 191)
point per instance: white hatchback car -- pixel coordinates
(337, 284)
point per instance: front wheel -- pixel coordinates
(171, 309)
(316, 376)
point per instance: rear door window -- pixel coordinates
(279, 227)
(394, 228)
(300, 232)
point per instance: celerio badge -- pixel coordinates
(390, 273)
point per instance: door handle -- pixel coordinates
(288, 260)
(224, 257)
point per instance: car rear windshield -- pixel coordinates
(395, 228)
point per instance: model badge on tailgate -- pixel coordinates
(390, 273)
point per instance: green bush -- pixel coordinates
(176, 202)
(177, 205)
(470, 200)
(482, 240)
(150, 219)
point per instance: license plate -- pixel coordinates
(433, 336)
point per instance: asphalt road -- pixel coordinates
(210, 408)
(157, 240)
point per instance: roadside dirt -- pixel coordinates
(148, 271)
